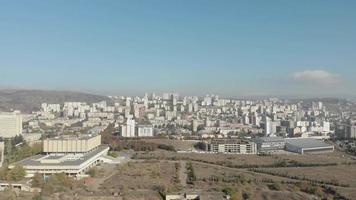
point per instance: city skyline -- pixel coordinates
(129, 47)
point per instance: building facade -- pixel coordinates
(10, 124)
(128, 130)
(73, 156)
(308, 146)
(232, 146)
(265, 144)
(145, 131)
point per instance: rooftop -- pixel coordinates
(270, 139)
(307, 142)
(64, 160)
(73, 137)
(229, 141)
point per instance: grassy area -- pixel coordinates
(250, 161)
(152, 177)
(240, 183)
(336, 175)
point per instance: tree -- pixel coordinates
(113, 154)
(93, 172)
(231, 192)
(36, 149)
(57, 183)
(245, 195)
(3, 173)
(37, 197)
(275, 186)
(17, 173)
(37, 180)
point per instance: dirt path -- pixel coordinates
(182, 173)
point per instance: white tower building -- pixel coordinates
(128, 130)
(10, 124)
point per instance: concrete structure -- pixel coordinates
(233, 146)
(346, 131)
(265, 144)
(32, 137)
(269, 131)
(145, 131)
(128, 130)
(308, 146)
(24, 186)
(182, 197)
(72, 156)
(71, 144)
(10, 124)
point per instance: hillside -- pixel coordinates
(30, 100)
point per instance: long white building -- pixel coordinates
(70, 155)
(232, 146)
(10, 124)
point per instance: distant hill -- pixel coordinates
(30, 100)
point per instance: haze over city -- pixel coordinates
(234, 48)
(177, 100)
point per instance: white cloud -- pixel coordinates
(316, 77)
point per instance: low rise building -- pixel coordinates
(265, 144)
(67, 154)
(308, 146)
(145, 131)
(233, 146)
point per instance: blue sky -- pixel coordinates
(232, 48)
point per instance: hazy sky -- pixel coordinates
(232, 48)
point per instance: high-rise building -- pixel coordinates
(128, 130)
(10, 124)
(268, 126)
(195, 125)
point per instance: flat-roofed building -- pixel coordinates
(145, 131)
(233, 146)
(128, 130)
(308, 146)
(71, 144)
(10, 124)
(265, 144)
(67, 154)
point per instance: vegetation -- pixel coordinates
(113, 154)
(175, 178)
(37, 181)
(117, 144)
(37, 197)
(17, 149)
(295, 177)
(200, 146)
(93, 172)
(275, 186)
(226, 163)
(18, 173)
(59, 183)
(232, 192)
(190, 172)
